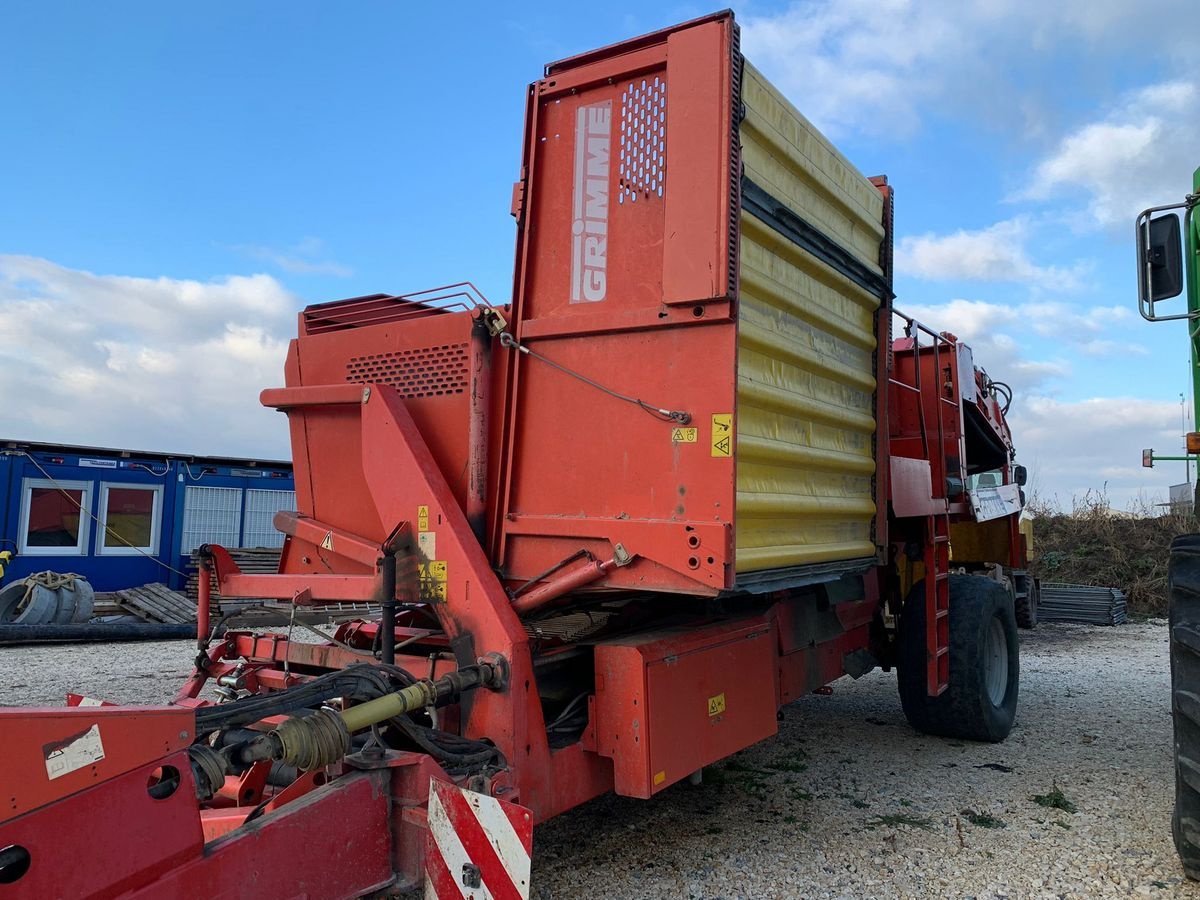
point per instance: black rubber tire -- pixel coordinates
(1183, 584)
(41, 607)
(964, 710)
(10, 595)
(1026, 608)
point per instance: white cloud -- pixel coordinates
(305, 257)
(1140, 154)
(1000, 336)
(880, 66)
(996, 253)
(1096, 444)
(145, 363)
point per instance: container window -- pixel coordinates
(211, 515)
(54, 521)
(258, 525)
(130, 515)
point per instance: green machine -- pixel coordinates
(1169, 265)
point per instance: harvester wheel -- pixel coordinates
(1027, 602)
(1184, 588)
(981, 701)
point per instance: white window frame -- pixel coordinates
(155, 521)
(85, 520)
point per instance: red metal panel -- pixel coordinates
(671, 702)
(626, 211)
(52, 753)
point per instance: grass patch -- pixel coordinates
(788, 764)
(983, 820)
(1055, 799)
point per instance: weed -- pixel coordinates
(906, 802)
(859, 804)
(1060, 823)
(1054, 800)
(790, 820)
(788, 764)
(983, 820)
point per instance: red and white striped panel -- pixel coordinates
(478, 847)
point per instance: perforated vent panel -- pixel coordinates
(643, 156)
(419, 372)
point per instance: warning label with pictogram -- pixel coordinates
(684, 435)
(722, 434)
(433, 577)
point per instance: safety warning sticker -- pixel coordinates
(722, 434)
(684, 435)
(75, 752)
(422, 518)
(433, 579)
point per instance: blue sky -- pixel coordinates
(177, 180)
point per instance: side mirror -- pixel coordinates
(1160, 258)
(1020, 475)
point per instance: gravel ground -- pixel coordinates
(848, 801)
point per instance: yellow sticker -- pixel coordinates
(716, 705)
(722, 434)
(422, 518)
(684, 435)
(660, 777)
(433, 579)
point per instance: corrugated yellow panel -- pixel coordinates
(806, 343)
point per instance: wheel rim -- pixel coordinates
(996, 662)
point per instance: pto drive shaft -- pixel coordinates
(317, 740)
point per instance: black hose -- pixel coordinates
(362, 681)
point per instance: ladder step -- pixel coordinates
(943, 613)
(943, 651)
(942, 576)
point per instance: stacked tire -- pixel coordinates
(30, 603)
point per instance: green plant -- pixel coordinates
(1054, 799)
(983, 820)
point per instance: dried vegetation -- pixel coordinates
(1096, 544)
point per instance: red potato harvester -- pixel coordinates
(685, 478)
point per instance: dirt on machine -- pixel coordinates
(699, 467)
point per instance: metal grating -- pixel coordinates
(643, 156)
(419, 372)
(211, 516)
(737, 113)
(258, 520)
(1082, 603)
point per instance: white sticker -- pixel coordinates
(98, 463)
(89, 701)
(78, 752)
(427, 543)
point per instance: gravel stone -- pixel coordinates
(847, 801)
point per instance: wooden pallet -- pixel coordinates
(255, 560)
(157, 603)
